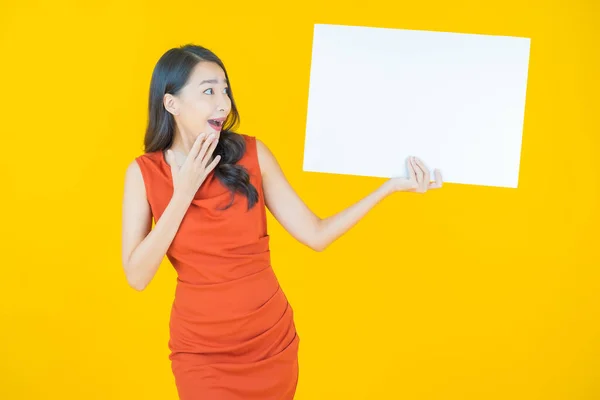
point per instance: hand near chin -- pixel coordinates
(418, 180)
(188, 177)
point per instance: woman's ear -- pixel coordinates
(170, 104)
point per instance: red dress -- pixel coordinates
(232, 332)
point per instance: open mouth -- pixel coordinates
(217, 124)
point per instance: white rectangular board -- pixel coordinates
(379, 95)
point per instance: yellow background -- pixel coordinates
(463, 293)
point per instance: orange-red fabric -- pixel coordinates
(232, 332)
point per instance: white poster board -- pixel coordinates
(454, 100)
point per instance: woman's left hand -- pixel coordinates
(418, 180)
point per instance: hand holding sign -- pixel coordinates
(418, 179)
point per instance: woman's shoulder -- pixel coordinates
(249, 143)
(249, 140)
(152, 157)
(253, 143)
(143, 165)
(264, 156)
(257, 152)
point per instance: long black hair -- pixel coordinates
(170, 75)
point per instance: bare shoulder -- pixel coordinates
(133, 175)
(134, 186)
(266, 158)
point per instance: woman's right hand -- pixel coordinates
(192, 173)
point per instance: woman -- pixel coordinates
(232, 333)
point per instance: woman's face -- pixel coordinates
(203, 104)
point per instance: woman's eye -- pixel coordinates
(226, 91)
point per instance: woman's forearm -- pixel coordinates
(331, 228)
(148, 255)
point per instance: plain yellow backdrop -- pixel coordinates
(464, 293)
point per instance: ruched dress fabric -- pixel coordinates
(232, 332)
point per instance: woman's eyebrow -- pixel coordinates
(213, 81)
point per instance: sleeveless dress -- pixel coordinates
(232, 332)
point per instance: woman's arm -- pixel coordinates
(143, 248)
(317, 233)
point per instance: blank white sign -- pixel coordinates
(454, 100)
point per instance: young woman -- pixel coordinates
(232, 332)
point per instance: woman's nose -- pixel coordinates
(222, 103)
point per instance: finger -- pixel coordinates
(418, 174)
(426, 177)
(424, 168)
(213, 164)
(193, 153)
(188, 142)
(438, 180)
(203, 150)
(411, 170)
(210, 151)
(418, 170)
